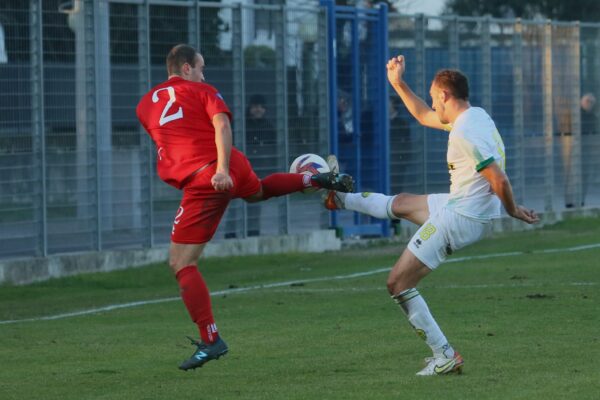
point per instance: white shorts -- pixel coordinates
(443, 233)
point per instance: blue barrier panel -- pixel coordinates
(358, 89)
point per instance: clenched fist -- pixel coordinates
(395, 69)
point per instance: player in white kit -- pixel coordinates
(448, 221)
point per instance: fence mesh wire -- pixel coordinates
(77, 173)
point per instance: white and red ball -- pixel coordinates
(309, 164)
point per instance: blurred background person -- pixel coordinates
(589, 140)
(261, 147)
(400, 146)
(589, 118)
(400, 149)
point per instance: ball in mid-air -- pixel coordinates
(309, 164)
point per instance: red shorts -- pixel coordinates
(202, 207)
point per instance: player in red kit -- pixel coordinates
(189, 122)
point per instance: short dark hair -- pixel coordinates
(257, 99)
(454, 82)
(178, 56)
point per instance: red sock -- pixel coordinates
(196, 297)
(283, 183)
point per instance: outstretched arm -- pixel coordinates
(415, 105)
(221, 180)
(503, 189)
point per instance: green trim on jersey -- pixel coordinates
(484, 164)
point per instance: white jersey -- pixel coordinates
(473, 144)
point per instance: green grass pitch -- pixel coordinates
(528, 327)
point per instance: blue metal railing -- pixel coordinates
(362, 71)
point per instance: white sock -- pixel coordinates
(419, 316)
(374, 204)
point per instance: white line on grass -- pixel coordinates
(427, 287)
(217, 293)
(304, 281)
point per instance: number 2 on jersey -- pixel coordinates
(164, 118)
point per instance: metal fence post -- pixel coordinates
(547, 113)
(575, 94)
(324, 110)
(145, 73)
(332, 75)
(486, 55)
(357, 94)
(38, 134)
(329, 6)
(77, 22)
(453, 43)
(103, 118)
(193, 19)
(596, 62)
(323, 66)
(518, 121)
(239, 85)
(420, 83)
(383, 98)
(281, 92)
(93, 66)
(87, 147)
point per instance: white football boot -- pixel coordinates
(333, 164)
(442, 365)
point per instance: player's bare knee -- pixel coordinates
(397, 282)
(390, 287)
(175, 264)
(182, 255)
(178, 260)
(398, 285)
(399, 203)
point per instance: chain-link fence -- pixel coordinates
(538, 81)
(77, 172)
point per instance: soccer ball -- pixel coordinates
(309, 164)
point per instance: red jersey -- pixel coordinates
(178, 114)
